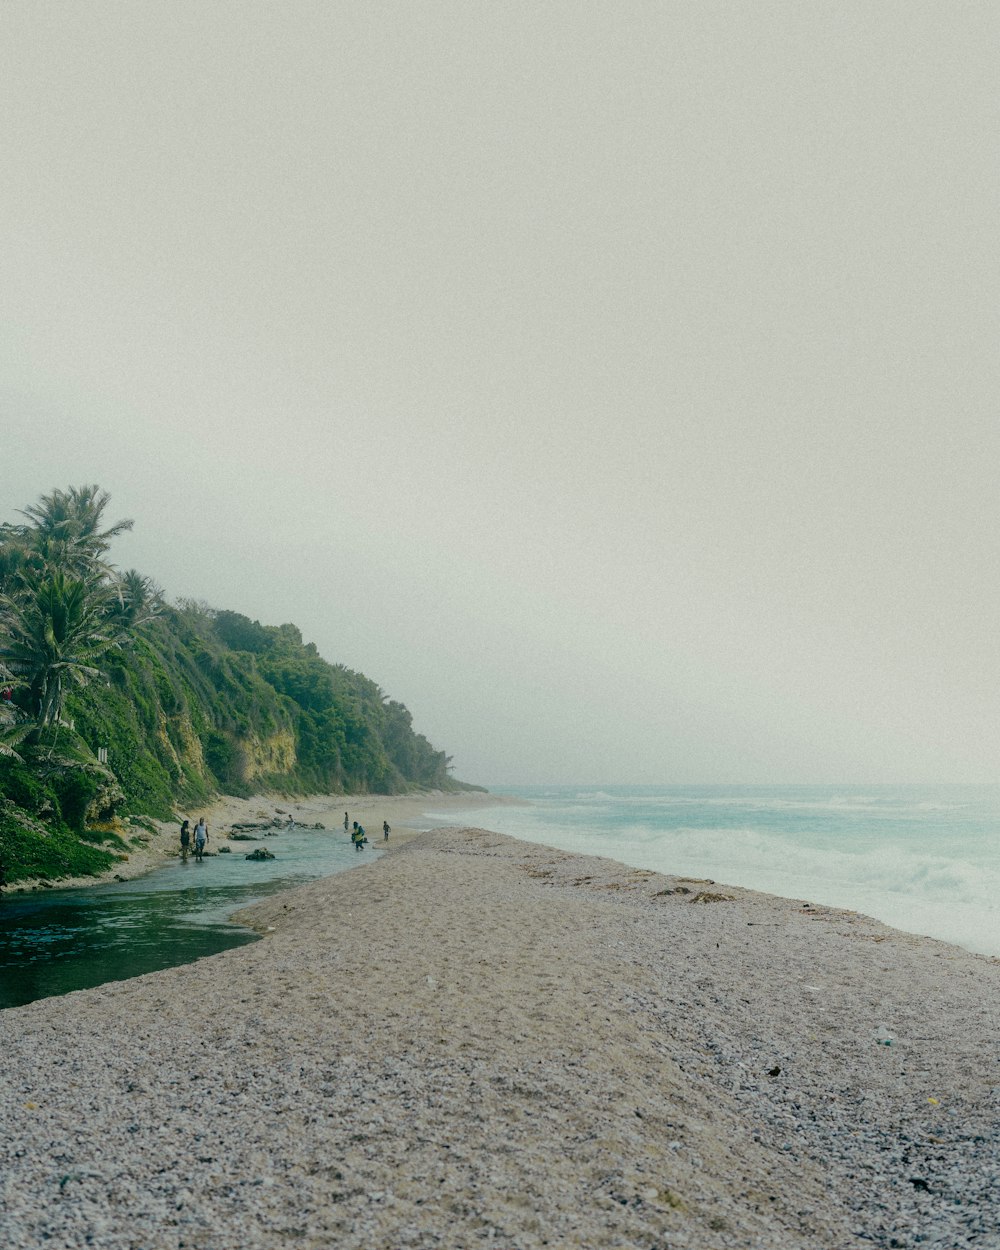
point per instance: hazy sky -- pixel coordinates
(615, 383)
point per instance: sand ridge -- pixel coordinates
(476, 1040)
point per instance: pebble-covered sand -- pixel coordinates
(482, 1042)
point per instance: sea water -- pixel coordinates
(925, 859)
(55, 941)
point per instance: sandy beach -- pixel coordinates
(478, 1041)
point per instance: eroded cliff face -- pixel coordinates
(179, 745)
(191, 748)
(251, 756)
(106, 803)
(265, 756)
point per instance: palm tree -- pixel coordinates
(52, 634)
(66, 530)
(15, 547)
(137, 599)
(12, 728)
(62, 605)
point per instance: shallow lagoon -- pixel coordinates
(55, 941)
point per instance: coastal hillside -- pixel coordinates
(210, 700)
(115, 706)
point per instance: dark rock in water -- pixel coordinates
(244, 837)
(259, 853)
(322, 828)
(225, 850)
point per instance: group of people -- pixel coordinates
(358, 835)
(200, 838)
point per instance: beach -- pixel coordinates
(160, 843)
(482, 1041)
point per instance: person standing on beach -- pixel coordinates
(185, 838)
(385, 831)
(345, 822)
(200, 837)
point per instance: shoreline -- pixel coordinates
(906, 902)
(475, 1038)
(162, 845)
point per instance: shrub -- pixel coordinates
(23, 787)
(75, 789)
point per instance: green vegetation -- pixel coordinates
(114, 702)
(29, 850)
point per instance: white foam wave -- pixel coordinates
(918, 889)
(841, 805)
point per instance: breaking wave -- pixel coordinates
(923, 859)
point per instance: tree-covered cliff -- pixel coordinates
(115, 706)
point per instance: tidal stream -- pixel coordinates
(55, 941)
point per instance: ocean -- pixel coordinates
(925, 859)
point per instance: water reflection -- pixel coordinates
(66, 940)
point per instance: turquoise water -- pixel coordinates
(925, 859)
(922, 858)
(55, 941)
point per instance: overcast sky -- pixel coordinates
(615, 383)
